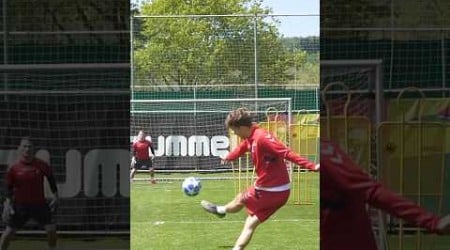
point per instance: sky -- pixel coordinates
(293, 25)
(297, 26)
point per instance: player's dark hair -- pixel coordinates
(239, 117)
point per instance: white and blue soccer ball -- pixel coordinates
(191, 186)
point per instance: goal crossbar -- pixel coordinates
(211, 100)
(376, 65)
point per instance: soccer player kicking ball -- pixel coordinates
(25, 195)
(345, 190)
(272, 187)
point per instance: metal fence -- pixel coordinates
(224, 56)
(412, 38)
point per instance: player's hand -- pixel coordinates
(7, 210)
(317, 167)
(152, 157)
(443, 226)
(224, 159)
(53, 204)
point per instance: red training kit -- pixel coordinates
(345, 189)
(141, 149)
(268, 155)
(27, 181)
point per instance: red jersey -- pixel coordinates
(344, 192)
(268, 155)
(141, 149)
(27, 181)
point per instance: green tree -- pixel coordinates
(208, 50)
(309, 72)
(355, 13)
(309, 44)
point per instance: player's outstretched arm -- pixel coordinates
(223, 159)
(401, 207)
(48, 172)
(152, 150)
(443, 226)
(7, 204)
(52, 182)
(346, 176)
(133, 161)
(279, 149)
(233, 155)
(301, 161)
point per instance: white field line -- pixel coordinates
(157, 223)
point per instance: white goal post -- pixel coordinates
(78, 117)
(370, 71)
(360, 82)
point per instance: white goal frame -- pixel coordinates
(377, 89)
(256, 101)
(7, 69)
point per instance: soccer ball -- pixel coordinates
(191, 186)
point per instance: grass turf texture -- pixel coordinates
(163, 217)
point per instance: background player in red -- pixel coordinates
(345, 190)
(25, 195)
(143, 154)
(272, 187)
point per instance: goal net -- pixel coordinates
(352, 99)
(351, 109)
(78, 118)
(190, 134)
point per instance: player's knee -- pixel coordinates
(252, 222)
(250, 226)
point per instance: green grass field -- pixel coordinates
(162, 217)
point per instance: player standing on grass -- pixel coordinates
(345, 190)
(143, 154)
(25, 195)
(272, 187)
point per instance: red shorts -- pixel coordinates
(263, 204)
